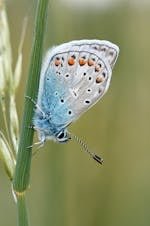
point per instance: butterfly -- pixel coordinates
(74, 76)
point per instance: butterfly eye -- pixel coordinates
(63, 136)
(60, 135)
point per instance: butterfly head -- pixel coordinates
(63, 136)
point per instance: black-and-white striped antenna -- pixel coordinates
(86, 149)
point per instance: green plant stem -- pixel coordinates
(22, 210)
(22, 172)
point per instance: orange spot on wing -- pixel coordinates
(71, 61)
(91, 62)
(57, 62)
(82, 61)
(97, 68)
(99, 79)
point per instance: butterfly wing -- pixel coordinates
(74, 77)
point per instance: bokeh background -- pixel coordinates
(67, 188)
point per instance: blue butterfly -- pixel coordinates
(74, 76)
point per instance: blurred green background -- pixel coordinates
(67, 188)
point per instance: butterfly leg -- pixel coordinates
(40, 144)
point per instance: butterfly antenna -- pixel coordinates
(86, 149)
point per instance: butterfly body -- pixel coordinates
(74, 76)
